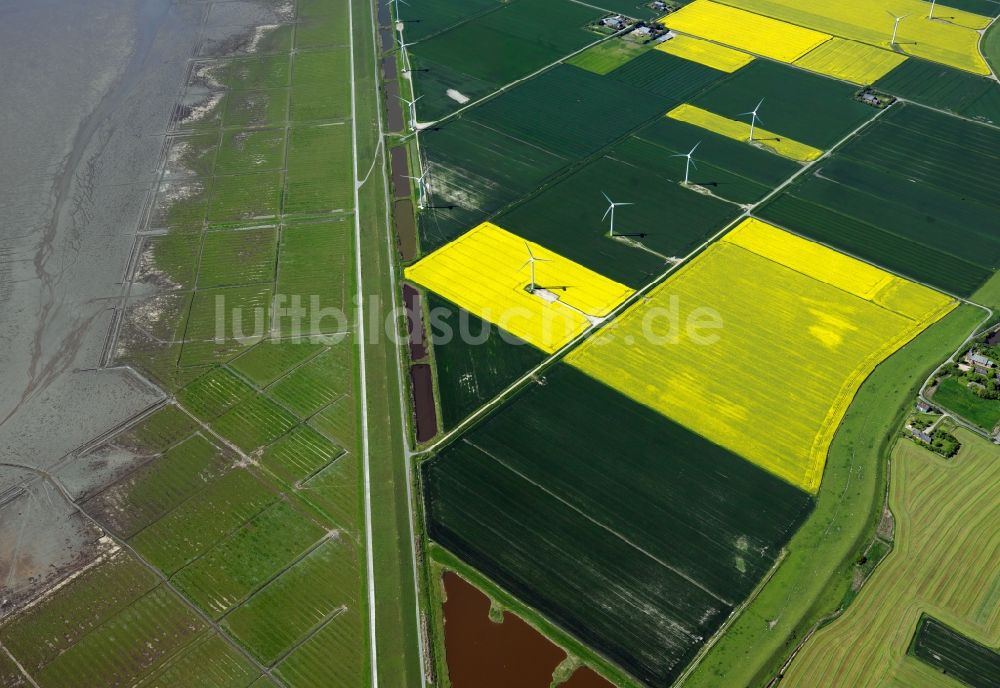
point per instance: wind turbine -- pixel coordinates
(531, 261)
(690, 160)
(930, 15)
(420, 188)
(611, 210)
(413, 110)
(754, 118)
(895, 27)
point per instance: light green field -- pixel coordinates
(943, 563)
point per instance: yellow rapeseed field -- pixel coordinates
(484, 272)
(744, 30)
(707, 53)
(802, 326)
(952, 40)
(852, 61)
(740, 130)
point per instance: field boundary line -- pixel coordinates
(593, 520)
(362, 361)
(19, 666)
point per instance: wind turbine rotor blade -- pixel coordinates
(607, 198)
(605, 216)
(695, 148)
(528, 246)
(624, 203)
(693, 163)
(760, 103)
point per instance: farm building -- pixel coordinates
(982, 364)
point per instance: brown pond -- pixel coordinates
(400, 168)
(585, 677)
(393, 106)
(406, 229)
(389, 68)
(423, 401)
(415, 323)
(484, 654)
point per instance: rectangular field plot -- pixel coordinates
(299, 455)
(144, 495)
(249, 73)
(802, 106)
(254, 423)
(314, 273)
(213, 394)
(244, 151)
(607, 56)
(321, 85)
(952, 40)
(478, 169)
(195, 525)
(745, 30)
(707, 53)
(830, 320)
(926, 211)
(472, 370)
(442, 89)
(955, 654)
(315, 384)
(318, 588)
(256, 108)
(630, 532)
(667, 76)
(269, 360)
(55, 624)
(238, 199)
(224, 320)
(850, 60)
(459, 273)
(208, 662)
(965, 94)
(569, 111)
(342, 640)
(230, 571)
(231, 258)
(739, 130)
(728, 168)
(438, 15)
(568, 216)
(514, 41)
(159, 622)
(318, 177)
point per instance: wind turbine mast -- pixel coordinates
(753, 118)
(690, 161)
(895, 27)
(531, 262)
(611, 211)
(931, 13)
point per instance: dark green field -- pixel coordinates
(471, 371)
(479, 170)
(567, 217)
(428, 17)
(570, 111)
(516, 40)
(504, 149)
(729, 168)
(629, 531)
(956, 655)
(926, 211)
(944, 88)
(665, 75)
(800, 105)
